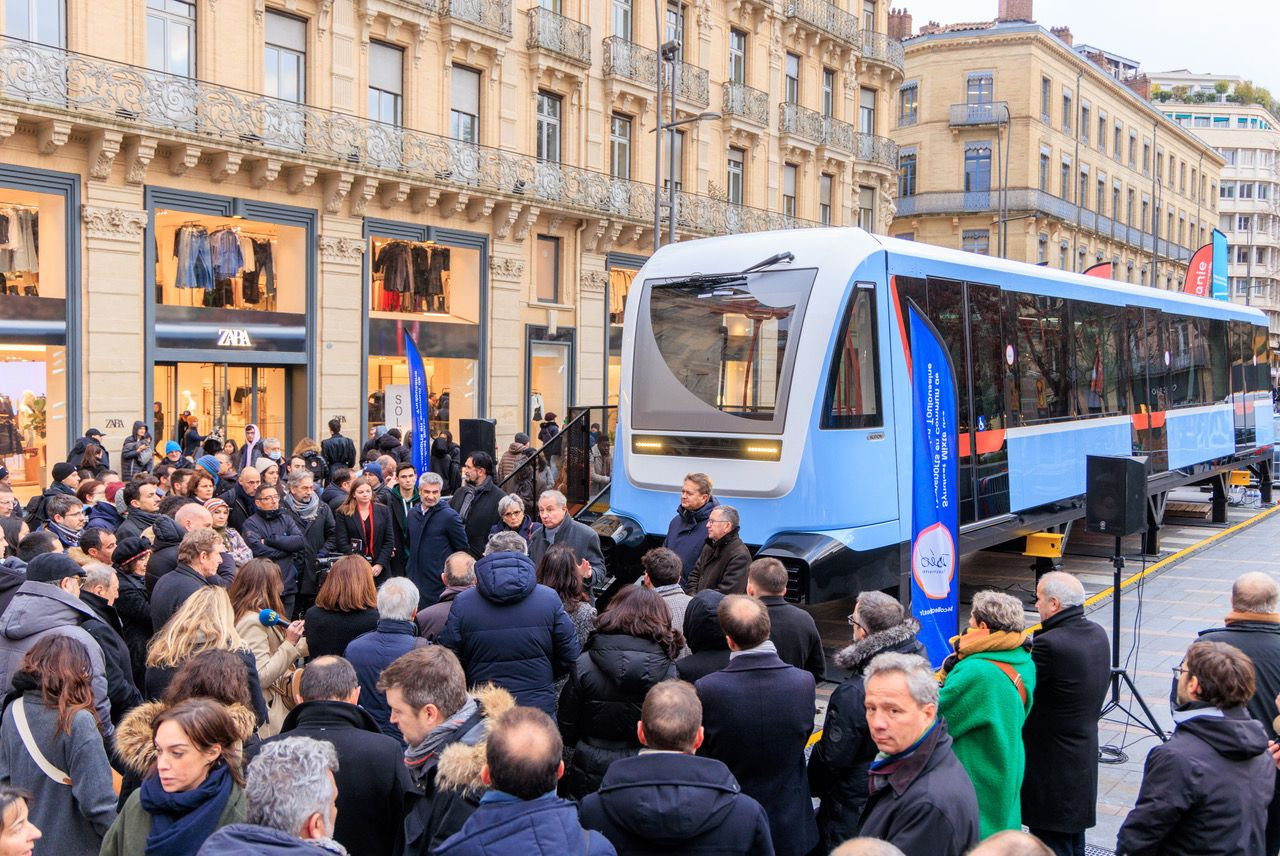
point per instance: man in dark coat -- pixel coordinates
(169, 534)
(98, 592)
(199, 556)
(371, 652)
(667, 799)
(758, 715)
(722, 564)
(433, 531)
(338, 451)
(510, 630)
(702, 633)
(1253, 626)
(240, 499)
(271, 534)
(1206, 791)
(459, 575)
(133, 603)
(687, 532)
(92, 437)
(66, 478)
(477, 501)
(791, 630)
(919, 797)
(1073, 667)
(400, 497)
(558, 527)
(142, 507)
(335, 492)
(840, 759)
(372, 778)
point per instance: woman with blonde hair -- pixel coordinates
(276, 650)
(346, 606)
(204, 622)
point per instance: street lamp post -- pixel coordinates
(669, 52)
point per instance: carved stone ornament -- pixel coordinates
(338, 249)
(509, 269)
(593, 282)
(121, 224)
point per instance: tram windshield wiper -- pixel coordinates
(731, 280)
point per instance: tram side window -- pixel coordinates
(1261, 360)
(1043, 357)
(853, 391)
(1218, 346)
(1098, 380)
(1190, 377)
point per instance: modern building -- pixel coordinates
(1203, 85)
(238, 211)
(1012, 143)
(1248, 138)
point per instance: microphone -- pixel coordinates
(271, 618)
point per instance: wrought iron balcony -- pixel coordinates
(750, 104)
(563, 36)
(878, 47)
(812, 126)
(492, 15)
(825, 16)
(692, 83)
(639, 64)
(40, 82)
(881, 151)
(985, 113)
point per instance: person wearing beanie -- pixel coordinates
(232, 540)
(173, 456)
(268, 471)
(65, 481)
(211, 465)
(133, 603)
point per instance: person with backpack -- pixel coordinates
(66, 478)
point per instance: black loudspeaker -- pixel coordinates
(478, 435)
(1115, 501)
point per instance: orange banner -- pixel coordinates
(1200, 273)
(1102, 270)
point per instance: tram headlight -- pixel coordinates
(762, 450)
(648, 445)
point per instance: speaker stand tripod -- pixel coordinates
(1113, 754)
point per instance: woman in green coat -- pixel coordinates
(986, 695)
(193, 789)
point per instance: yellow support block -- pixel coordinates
(1044, 545)
(1239, 478)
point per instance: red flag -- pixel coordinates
(1200, 272)
(1102, 270)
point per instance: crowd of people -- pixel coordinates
(261, 655)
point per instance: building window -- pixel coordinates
(1146, 209)
(789, 190)
(1101, 198)
(284, 70)
(675, 26)
(1066, 111)
(386, 83)
(1244, 224)
(869, 15)
(1044, 170)
(867, 208)
(1064, 179)
(977, 167)
(737, 56)
(465, 106)
(976, 241)
(548, 142)
(735, 175)
(1245, 190)
(906, 174)
(1129, 208)
(1146, 157)
(1042, 248)
(1159, 166)
(1046, 99)
(171, 32)
(1133, 149)
(1084, 122)
(981, 89)
(548, 270)
(908, 104)
(1102, 132)
(1082, 198)
(620, 146)
(867, 111)
(1227, 190)
(1115, 202)
(791, 89)
(620, 19)
(828, 92)
(1115, 141)
(824, 199)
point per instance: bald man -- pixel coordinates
(1073, 669)
(1010, 843)
(164, 552)
(1253, 626)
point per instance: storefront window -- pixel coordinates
(549, 376)
(432, 290)
(229, 263)
(219, 397)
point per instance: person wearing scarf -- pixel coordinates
(231, 539)
(193, 789)
(66, 520)
(988, 684)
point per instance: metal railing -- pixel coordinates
(693, 84)
(577, 461)
(628, 60)
(879, 47)
(52, 82)
(493, 15)
(816, 128)
(750, 104)
(878, 150)
(986, 113)
(825, 16)
(550, 31)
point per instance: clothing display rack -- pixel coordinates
(410, 276)
(226, 266)
(19, 249)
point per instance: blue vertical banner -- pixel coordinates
(418, 394)
(934, 554)
(1219, 242)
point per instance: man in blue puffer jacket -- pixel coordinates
(509, 630)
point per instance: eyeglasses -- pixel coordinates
(853, 623)
(516, 513)
(1178, 670)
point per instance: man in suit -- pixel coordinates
(792, 630)
(559, 528)
(1073, 667)
(758, 715)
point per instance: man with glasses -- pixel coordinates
(272, 534)
(433, 531)
(66, 520)
(722, 565)
(840, 760)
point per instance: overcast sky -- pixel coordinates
(1231, 37)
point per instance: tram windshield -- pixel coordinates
(718, 343)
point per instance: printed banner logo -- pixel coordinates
(234, 337)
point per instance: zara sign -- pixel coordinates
(234, 337)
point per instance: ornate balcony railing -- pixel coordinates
(45, 82)
(878, 47)
(564, 36)
(750, 104)
(639, 64)
(877, 150)
(986, 113)
(492, 15)
(813, 126)
(692, 83)
(825, 16)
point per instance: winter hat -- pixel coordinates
(129, 549)
(172, 447)
(51, 567)
(61, 470)
(372, 469)
(210, 464)
(215, 502)
(113, 489)
(522, 438)
(262, 464)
